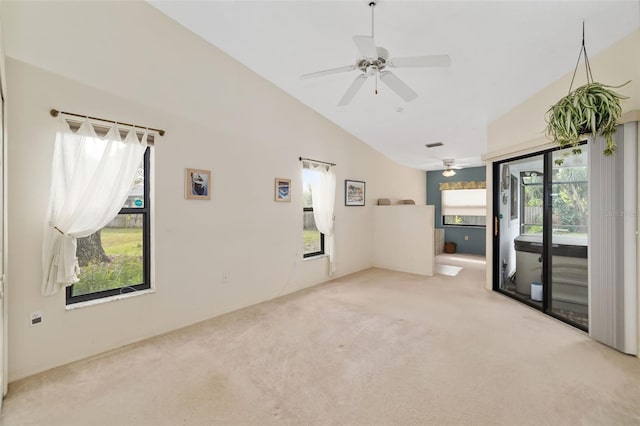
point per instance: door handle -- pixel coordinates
(495, 226)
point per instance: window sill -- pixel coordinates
(108, 299)
(319, 256)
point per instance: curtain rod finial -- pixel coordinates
(161, 132)
(54, 112)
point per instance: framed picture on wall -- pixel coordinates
(282, 190)
(354, 193)
(197, 184)
(514, 197)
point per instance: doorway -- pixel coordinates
(540, 232)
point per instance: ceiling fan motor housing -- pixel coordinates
(367, 65)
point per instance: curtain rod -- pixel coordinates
(316, 161)
(55, 112)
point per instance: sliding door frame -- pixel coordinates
(547, 242)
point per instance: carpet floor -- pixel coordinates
(373, 348)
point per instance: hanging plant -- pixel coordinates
(593, 108)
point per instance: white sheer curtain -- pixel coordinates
(91, 177)
(323, 198)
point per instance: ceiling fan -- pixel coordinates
(375, 61)
(450, 169)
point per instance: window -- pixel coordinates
(531, 194)
(464, 207)
(313, 240)
(116, 259)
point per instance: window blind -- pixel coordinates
(464, 202)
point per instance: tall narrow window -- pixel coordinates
(115, 259)
(313, 240)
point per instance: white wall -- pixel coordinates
(403, 238)
(219, 116)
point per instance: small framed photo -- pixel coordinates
(197, 184)
(354, 193)
(282, 190)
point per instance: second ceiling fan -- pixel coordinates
(374, 61)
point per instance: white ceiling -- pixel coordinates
(501, 53)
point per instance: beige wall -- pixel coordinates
(403, 238)
(219, 116)
(523, 127)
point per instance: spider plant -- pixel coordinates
(593, 108)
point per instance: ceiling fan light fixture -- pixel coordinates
(449, 173)
(374, 62)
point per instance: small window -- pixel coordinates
(116, 259)
(464, 207)
(313, 240)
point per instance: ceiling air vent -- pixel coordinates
(433, 145)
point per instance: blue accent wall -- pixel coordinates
(476, 244)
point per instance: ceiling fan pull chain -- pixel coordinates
(376, 91)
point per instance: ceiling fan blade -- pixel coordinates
(398, 86)
(352, 90)
(328, 72)
(420, 61)
(366, 46)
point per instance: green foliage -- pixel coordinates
(570, 205)
(122, 241)
(592, 108)
(124, 248)
(122, 271)
(533, 229)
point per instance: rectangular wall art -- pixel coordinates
(197, 184)
(282, 190)
(354, 193)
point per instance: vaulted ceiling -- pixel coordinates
(501, 53)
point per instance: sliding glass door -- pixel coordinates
(540, 232)
(520, 225)
(569, 219)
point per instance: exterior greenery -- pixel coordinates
(123, 247)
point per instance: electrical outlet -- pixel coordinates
(466, 238)
(35, 318)
(225, 277)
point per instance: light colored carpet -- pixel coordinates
(449, 270)
(374, 348)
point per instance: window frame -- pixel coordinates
(321, 252)
(315, 253)
(443, 217)
(464, 225)
(145, 211)
(523, 198)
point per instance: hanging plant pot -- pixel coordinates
(593, 108)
